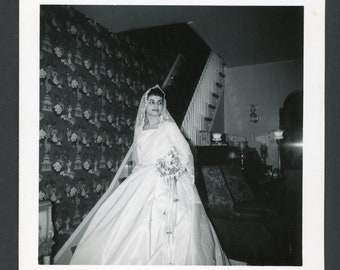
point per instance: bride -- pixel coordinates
(153, 217)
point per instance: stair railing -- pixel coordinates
(204, 103)
(172, 71)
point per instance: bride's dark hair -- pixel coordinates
(156, 91)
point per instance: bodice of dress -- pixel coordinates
(156, 143)
(151, 145)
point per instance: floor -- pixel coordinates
(275, 241)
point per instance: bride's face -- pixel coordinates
(154, 105)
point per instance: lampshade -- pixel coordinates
(278, 134)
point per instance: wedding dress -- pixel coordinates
(131, 227)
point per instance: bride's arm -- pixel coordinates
(134, 156)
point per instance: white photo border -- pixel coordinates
(314, 128)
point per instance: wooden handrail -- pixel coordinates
(198, 111)
(172, 69)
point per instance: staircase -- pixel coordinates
(201, 112)
(181, 83)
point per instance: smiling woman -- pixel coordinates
(154, 107)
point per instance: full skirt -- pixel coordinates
(129, 228)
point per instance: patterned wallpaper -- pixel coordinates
(91, 81)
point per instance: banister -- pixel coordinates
(205, 90)
(173, 67)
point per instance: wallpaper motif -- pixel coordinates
(91, 81)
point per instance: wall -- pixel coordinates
(218, 124)
(91, 81)
(266, 85)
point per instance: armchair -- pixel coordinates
(249, 228)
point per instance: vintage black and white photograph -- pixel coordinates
(171, 135)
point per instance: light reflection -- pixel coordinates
(297, 144)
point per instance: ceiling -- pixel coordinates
(242, 36)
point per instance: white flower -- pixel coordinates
(99, 44)
(87, 63)
(99, 91)
(87, 114)
(54, 137)
(55, 80)
(57, 166)
(74, 137)
(86, 165)
(168, 158)
(99, 139)
(170, 165)
(109, 73)
(53, 197)
(83, 192)
(58, 51)
(109, 118)
(98, 187)
(41, 195)
(74, 83)
(109, 164)
(42, 134)
(43, 73)
(73, 30)
(73, 191)
(58, 108)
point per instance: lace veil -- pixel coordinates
(177, 137)
(141, 117)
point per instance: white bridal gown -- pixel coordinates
(129, 227)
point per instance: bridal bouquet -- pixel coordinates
(170, 166)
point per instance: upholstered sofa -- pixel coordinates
(249, 227)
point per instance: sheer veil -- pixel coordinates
(140, 119)
(175, 134)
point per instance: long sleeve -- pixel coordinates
(134, 156)
(182, 146)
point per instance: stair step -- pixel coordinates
(219, 85)
(221, 74)
(208, 119)
(211, 106)
(215, 95)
